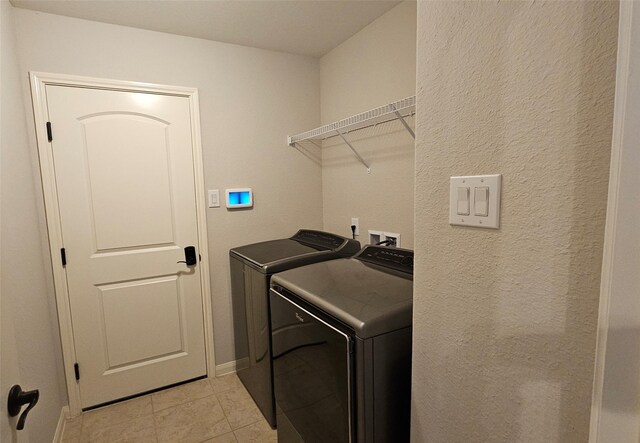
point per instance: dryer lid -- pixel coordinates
(370, 299)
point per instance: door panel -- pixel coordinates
(126, 197)
(124, 303)
(107, 142)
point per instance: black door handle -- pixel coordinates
(190, 257)
(19, 398)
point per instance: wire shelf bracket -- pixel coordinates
(399, 110)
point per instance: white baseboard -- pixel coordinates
(64, 414)
(231, 367)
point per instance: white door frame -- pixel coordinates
(617, 215)
(39, 80)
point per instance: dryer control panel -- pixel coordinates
(394, 258)
(324, 240)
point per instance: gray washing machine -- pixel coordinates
(341, 341)
(251, 269)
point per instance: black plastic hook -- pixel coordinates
(19, 398)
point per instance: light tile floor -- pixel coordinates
(218, 410)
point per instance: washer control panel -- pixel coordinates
(323, 240)
(394, 258)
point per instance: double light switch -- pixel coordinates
(480, 201)
(475, 201)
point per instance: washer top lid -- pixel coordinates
(369, 298)
(306, 246)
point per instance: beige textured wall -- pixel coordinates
(374, 67)
(505, 320)
(30, 351)
(250, 99)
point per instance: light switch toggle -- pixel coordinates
(481, 201)
(463, 200)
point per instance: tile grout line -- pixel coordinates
(155, 425)
(179, 404)
(223, 412)
(221, 435)
(227, 417)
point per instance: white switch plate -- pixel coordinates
(214, 198)
(492, 219)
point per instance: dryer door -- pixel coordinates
(312, 363)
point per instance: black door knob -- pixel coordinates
(19, 398)
(190, 257)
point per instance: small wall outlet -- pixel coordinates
(355, 222)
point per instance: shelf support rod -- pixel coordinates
(354, 150)
(404, 123)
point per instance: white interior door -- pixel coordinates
(124, 175)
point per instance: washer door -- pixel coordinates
(312, 363)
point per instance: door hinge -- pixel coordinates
(63, 256)
(76, 369)
(49, 133)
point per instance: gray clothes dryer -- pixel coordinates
(251, 269)
(341, 342)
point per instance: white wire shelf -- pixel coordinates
(392, 111)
